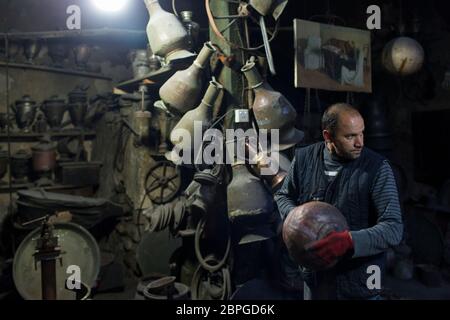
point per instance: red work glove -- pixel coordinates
(332, 247)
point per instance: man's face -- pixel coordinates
(348, 140)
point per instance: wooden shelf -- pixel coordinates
(85, 33)
(34, 136)
(55, 70)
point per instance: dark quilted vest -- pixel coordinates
(350, 193)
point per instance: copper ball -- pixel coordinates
(310, 222)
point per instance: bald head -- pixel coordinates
(333, 115)
(343, 131)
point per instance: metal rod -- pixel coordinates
(267, 45)
(231, 16)
(228, 25)
(48, 272)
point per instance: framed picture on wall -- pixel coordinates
(332, 58)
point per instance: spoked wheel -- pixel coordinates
(163, 182)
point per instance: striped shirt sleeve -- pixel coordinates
(285, 197)
(388, 230)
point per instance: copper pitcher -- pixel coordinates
(181, 92)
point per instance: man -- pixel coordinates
(361, 184)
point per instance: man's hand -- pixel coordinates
(332, 247)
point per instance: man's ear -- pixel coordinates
(326, 135)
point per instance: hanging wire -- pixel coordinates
(216, 30)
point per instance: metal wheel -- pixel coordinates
(163, 182)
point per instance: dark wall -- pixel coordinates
(426, 21)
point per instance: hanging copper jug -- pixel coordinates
(203, 115)
(249, 201)
(166, 34)
(182, 91)
(271, 109)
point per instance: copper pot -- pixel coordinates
(166, 289)
(310, 222)
(44, 156)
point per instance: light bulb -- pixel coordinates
(110, 5)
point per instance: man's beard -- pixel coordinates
(344, 156)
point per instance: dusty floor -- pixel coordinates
(259, 290)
